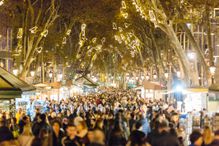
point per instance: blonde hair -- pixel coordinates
(27, 131)
(207, 135)
(83, 124)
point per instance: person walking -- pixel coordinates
(57, 134)
(26, 138)
(71, 138)
(196, 138)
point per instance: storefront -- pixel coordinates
(11, 88)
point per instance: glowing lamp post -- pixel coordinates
(60, 76)
(178, 74)
(136, 78)
(50, 75)
(212, 71)
(94, 78)
(166, 75)
(15, 72)
(1, 64)
(32, 73)
(142, 77)
(1, 2)
(155, 76)
(147, 77)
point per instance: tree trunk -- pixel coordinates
(198, 50)
(209, 40)
(181, 54)
(160, 61)
(166, 25)
(33, 42)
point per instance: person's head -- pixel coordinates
(53, 114)
(163, 126)
(196, 138)
(137, 138)
(65, 121)
(37, 117)
(138, 125)
(175, 117)
(71, 130)
(56, 125)
(43, 117)
(19, 110)
(27, 130)
(25, 119)
(59, 115)
(207, 135)
(81, 126)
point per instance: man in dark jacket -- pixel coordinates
(40, 124)
(22, 123)
(163, 137)
(137, 137)
(70, 139)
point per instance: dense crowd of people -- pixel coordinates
(115, 118)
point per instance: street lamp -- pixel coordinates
(166, 75)
(15, 72)
(50, 75)
(60, 76)
(32, 73)
(1, 64)
(191, 56)
(142, 77)
(155, 76)
(136, 78)
(1, 2)
(147, 77)
(212, 71)
(94, 78)
(178, 74)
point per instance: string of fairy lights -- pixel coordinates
(123, 35)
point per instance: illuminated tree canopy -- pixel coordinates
(107, 36)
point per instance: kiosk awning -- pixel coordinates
(11, 86)
(152, 85)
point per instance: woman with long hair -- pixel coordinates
(26, 138)
(117, 136)
(82, 133)
(207, 135)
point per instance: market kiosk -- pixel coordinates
(152, 90)
(11, 88)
